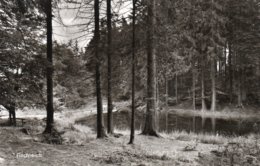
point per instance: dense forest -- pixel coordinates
(161, 68)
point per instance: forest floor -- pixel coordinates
(16, 148)
(81, 148)
(27, 146)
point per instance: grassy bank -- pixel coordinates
(223, 114)
(177, 148)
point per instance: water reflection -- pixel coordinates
(202, 124)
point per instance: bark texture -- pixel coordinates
(166, 103)
(49, 73)
(150, 127)
(100, 127)
(132, 134)
(109, 71)
(193, 86)
(230, 73)
(203, 103)
(213, 84)
(176, 88)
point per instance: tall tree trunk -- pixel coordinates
(230, 73)
(176, 88)
(239, 82)
(10, 106)
(100, 126)
(13, 105)
(193, 86)
(132, 134)
(219, 68)
(166, 103)
(239, 92)
(157, 92)
(203, 103)
(213, 84)
(49, 73)
(150, 128)
(243, 86)
(225, 67)
(157, 113)
(109, 53)
(258, 78)
(14, 117)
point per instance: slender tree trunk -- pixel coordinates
(150, 128)
(203, 103)
(176, 88)
(157, 113)
(132, 134)
(194, 124)
(230, 73)
(213, 84)
(157, 92)
(193, 86)
(219, 68)
(243, 86)
(166, 103)
(49, 73)
(239, 92)
(14, 118)
(11, 109)
(100, 126)
(225, 67)
(239, 82)
(258, 78)
(109, 53)
(13, 105)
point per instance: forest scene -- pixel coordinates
(130, 82)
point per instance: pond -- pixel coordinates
(200, 124)
(182, 122)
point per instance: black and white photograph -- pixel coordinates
(129, 82)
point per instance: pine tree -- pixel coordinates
(132, 134)
(20, 49)
(150, 126)
(49, 72)
(100, 127)
(109, 67)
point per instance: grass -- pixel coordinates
(210, 138)
(224, 114)
(74, 133)
(202, 138)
